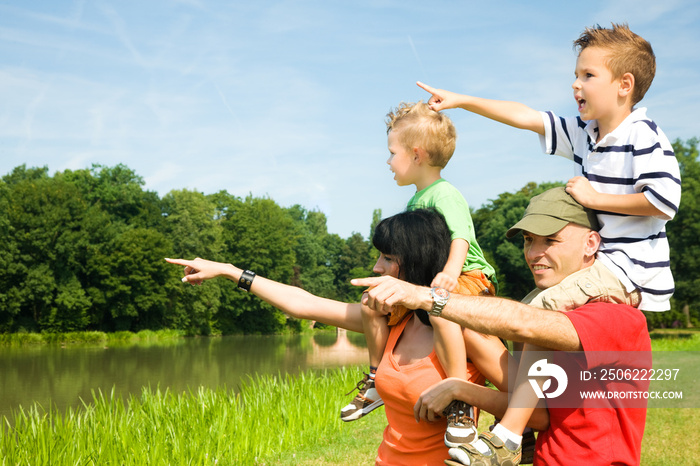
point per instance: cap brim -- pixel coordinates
(537, 224)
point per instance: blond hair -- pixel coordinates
(628, 53)
(425, 128)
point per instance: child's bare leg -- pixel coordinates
(452, 353)
(449, 347)
(491, 358)
(512, 428)
(376, 328)
(523, 400)
(499, 368)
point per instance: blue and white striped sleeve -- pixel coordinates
(560, 135)
(656, 171)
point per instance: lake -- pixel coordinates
(62, 376)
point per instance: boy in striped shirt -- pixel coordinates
(625, 170)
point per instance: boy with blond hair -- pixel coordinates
(421, 142)
(625, 170)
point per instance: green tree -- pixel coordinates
(376, 218)
(261, 236)
(354, 261)
(311, 271)
(68, 312)
(194, 231)
(118, 191)
(119, 258)
(9, 265)
(44, 216)
(683, 236)
(135, 287)
(22, 173)
(84, 249)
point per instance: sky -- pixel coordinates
(287, 99)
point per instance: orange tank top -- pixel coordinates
(405, 441)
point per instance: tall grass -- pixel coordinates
(269, 418)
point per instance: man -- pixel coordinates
(560, 240)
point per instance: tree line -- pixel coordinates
(83, 250)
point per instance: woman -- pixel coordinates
(413, 246)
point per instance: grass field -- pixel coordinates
(272, 421)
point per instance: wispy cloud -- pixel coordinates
(30, 112)
(224, 101)
(420, 63)
(288, 98)
(121, 31)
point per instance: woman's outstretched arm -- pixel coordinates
(291, 300)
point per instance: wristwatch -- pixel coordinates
(440, 297)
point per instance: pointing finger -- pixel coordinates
(369, 281)
(426, 87)
(178, 261)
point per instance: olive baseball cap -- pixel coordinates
(551, 211)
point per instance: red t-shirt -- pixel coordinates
(600, 432)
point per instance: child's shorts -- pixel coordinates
(474, 283)
(471, 283)
(594, 283)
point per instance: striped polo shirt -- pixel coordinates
(634, 158)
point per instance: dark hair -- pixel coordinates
(420, 242)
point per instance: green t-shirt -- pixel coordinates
(447, 199)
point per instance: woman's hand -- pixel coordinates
(199, 270)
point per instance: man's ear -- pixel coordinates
(592, 243)
(626, 85)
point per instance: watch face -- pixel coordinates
(440, 296)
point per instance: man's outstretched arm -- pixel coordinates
(503, 318)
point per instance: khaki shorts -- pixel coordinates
(594, 283)
(471, 283)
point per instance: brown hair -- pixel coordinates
(628, 53)
(425, 128)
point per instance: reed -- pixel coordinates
(268, 418)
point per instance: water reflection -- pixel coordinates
(61, 376)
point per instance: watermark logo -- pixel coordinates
(542, 368)
(606, 379)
